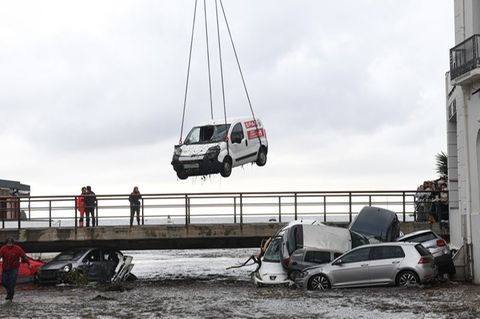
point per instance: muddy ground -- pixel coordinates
(226, 298)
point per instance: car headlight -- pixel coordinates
(303, 274)
(177, 151)
(213, 152)
(67, 268)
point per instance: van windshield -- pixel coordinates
(207, 134)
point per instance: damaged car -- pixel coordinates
(302, 244)
(377, 224)
(395, 263)
(217, 147)
(437, 246)
(97, 264)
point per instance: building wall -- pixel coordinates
(463, 140)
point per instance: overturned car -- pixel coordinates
(96, 264)
(217, 147)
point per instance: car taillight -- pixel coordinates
(286, 262)
(441, 242)
(425, 260)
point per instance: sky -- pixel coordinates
(351, 92)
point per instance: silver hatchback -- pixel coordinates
(372, 265)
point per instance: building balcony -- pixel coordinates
(465, 61)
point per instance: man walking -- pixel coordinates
(11, 254)
(90, 204)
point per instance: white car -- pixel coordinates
(216, 147)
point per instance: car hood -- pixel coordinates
(54, 264)
(196, 149)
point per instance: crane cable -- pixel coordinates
(221, 73)
(208, 58)
(241, 73)
(188, 71)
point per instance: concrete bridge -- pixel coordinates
(191, 236)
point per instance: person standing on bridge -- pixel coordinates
(10, 255)
(90, 205)
(134, 200)
(81, 205)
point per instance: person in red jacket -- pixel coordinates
(11, 254)
(81, 205)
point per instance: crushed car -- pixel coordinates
(217, 147)
(438, 248)
(394, 263)
(378, 224)
(302, 244)
(97, 264)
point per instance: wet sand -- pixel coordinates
(226, 298)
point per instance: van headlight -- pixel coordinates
(67, 268)
(177, 151)
(213, 152)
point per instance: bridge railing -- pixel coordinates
(198, 208)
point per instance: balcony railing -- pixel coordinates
(465, 57)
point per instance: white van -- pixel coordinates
(216, 147)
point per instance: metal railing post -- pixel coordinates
(49, 214)
(17, 204)
(143, 212)
(324, 208)
(403, 206)
(29, 209)
(241, 210)
(186, 209)
(296, 216)
(234, 210)
(96, 215)
(279, 209)
(369, 200)
(350, 207)
(76, 208)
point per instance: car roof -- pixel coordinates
(418, 232)
(391, 243)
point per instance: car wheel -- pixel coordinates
(182, 175)
(226, 167)
(262, 157)
(407, 278)
(319, 282)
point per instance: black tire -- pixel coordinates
(182, 175)
(407, 278)
(262, 157)
(226, 169)
(319, 282)
(131, 277)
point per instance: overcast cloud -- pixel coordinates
(351, 92)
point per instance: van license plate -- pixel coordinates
(190, 166)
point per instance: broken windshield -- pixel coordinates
(207, 134)
(273, 251)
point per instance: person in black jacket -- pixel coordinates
(90, 204)
(134, 200)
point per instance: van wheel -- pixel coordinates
(319, 282)
(182, 175)
(226, 167)
(262, 157)
(407, 278)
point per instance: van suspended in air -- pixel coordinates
(218, 146)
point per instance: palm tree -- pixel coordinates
(441, 163)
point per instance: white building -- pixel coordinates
(463, 134)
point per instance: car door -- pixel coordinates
(384, 264)
(94, 265)
(239, 146)
(351, 269)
